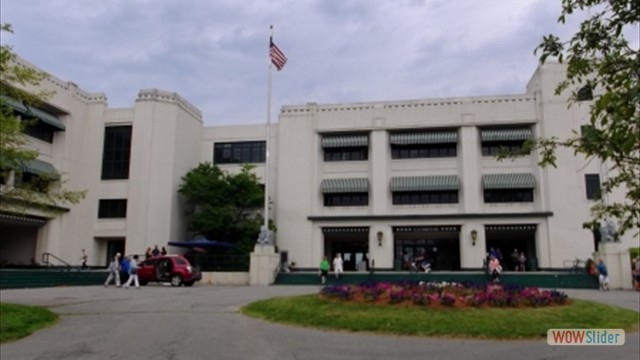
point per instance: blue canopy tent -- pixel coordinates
(201, 243)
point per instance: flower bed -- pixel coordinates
(443, 294)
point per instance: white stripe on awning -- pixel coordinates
(490, 135)
(426, 137)
(339, 141)
(424, 183)
(509, 181)
(351, 185)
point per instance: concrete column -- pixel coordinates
(616, 257)
(264, 261)
(379, 186)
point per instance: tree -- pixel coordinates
(602, 66)
(44, 191)
(222, 206)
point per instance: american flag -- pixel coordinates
(277, 56)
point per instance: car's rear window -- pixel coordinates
(181, 261)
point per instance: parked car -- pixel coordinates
(175, 269)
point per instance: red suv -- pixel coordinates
(175, 269)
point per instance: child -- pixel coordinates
(603, 277)
(324, 269)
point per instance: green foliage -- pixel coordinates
(45, 192)
(600, 59)
(222, 206)
(18, 321)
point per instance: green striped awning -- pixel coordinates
(424, 183)
(508, 181)
(47, 118)
(506, 134)
(427, 137)
(351, 185)
(35, 112)
(14, 104)
(340, 141)
(39, 167)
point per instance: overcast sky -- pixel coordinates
(214, 52)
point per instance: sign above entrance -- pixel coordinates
(444, 228)
(352, 230)
(516, 227)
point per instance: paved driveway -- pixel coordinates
(203, 322)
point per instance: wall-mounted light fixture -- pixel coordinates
(380, 236)
(474, 236)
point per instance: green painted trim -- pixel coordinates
(432, 216)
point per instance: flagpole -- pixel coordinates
(266, 233)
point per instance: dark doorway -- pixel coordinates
(504, 239)
(439, 244)
(352, 243)
(114, 246)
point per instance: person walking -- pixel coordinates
(523, 261)
(603, 275)
(495, 269)
(133, 273)
(84, 258)
(114, 271)
(515, 260)
(324, 270)
(155, 252)
(337, 265)
(124, 269)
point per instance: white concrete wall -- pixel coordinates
(168, 139)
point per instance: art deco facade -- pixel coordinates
(374, 181)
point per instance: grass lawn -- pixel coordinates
(495, 323)
(18, 321)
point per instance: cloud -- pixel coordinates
(214, 53)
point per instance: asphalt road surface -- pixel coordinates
(203, 322)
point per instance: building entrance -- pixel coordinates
(439, 245)
(352, 243)
(505, 240)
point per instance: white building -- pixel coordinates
(375, 180)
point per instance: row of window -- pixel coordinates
(430, 197)
(117, 208)
(491, 196)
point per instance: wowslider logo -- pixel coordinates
(585, 337)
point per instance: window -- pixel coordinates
(423, 151)
(592, 182)
(425, 197)
(346, 199)
(346, 154)
(426, 143)
(345, 147)
(39, 129)
(505, 140)
(239, 152)
(112, 209)
(585, 93)
(117, 152)
(508, 195)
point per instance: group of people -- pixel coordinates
(125, 269)
(338, 267)
(518, 260)
(155, 252)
